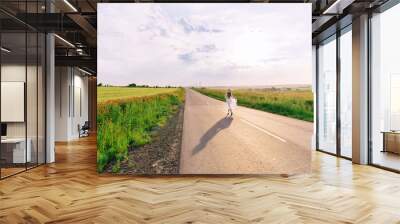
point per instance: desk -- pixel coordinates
(16, 147)
(391, 141)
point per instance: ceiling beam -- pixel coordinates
(79, 61)
(337, 6)
(86, 26)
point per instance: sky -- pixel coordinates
(196, 44)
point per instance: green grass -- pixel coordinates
(295, 103)
(111, 93)
(128, 120)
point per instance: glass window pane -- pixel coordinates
(346, 94)
(22, 87)
(385, 114)
(327, 96)
(13, 86)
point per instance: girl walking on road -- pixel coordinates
(231, 102)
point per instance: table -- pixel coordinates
(16, 147)
(391, 141)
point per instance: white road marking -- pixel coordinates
(263, 130)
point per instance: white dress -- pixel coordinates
(231, 102)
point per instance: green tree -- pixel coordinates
(132, 85)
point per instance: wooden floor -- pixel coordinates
(70, 191)
(387, 159)
(5, 172)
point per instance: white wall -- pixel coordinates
(62, 83)
(13, 73)
(79, 117)
(70, 83)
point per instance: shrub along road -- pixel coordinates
(129, 123)
(161, 155)
(253, 142)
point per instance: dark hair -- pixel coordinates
(229, 94)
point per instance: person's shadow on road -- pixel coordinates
(211, 133)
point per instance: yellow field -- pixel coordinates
(112, 93)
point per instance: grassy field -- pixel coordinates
(295, 103)
(111, 93)
(128, 118)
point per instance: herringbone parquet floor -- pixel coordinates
(70, 191)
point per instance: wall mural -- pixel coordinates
(204, 88)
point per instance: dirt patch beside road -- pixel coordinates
(162, 155)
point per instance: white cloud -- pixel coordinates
(215, 44)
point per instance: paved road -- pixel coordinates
(253, 142)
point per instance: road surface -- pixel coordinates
(253, 142)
